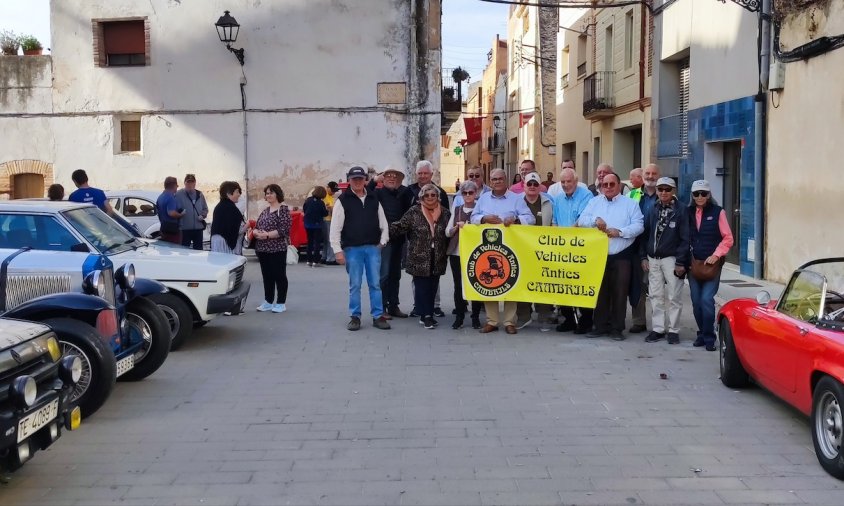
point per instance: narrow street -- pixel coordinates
(293, 409)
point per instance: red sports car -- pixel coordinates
(794, 347)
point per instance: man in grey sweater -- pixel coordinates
(192, 223)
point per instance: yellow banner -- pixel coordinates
(548, 265)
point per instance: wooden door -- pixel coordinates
(27, 186)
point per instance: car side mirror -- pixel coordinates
(763, 298)
(80, 247)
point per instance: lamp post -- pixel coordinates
(227, 29)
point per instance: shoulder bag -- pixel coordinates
(702, 271)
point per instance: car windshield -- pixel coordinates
(105, 234)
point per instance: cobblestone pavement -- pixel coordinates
(293, 409)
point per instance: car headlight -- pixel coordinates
(94, 284)
(70, 370)
(125, 276)
(54, 348)
(232, 281)
(23, 391)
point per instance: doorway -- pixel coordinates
(732, 195)
(27, 186)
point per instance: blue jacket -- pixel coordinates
(674, 240)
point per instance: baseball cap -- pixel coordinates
(533, 176)
(356, 171)
(701, 184)
(666, 181)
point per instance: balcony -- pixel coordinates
(452, 100)
(598, 100)
(495, 144)
(673, 141)
(581, 70)
(564, 81)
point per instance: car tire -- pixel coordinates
(179, 317)
(733, 374)
(146, 319)
(99, 368)
(828, 426)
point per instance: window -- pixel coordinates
(37, 232)
(608, 49)
(564, 67)
(802, 299)
(581, 56)
(130, 136)
(628, 40)
(121, 43)
(138, 207)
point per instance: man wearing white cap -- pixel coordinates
(664, 251)
(542, 209)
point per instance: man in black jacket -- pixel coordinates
(664, 250)
(395, 198)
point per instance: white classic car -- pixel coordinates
(202, 284)
(138, 207)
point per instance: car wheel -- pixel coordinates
(828, 426)
(179, 317)
(99, 369)
(733, 374)
(147, 322)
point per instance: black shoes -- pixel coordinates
(699, 342)
(566, 326)
(617, 335)
(354, 323)
(413, 314)
(710, 347)
(637, 329)
(395, 312)
(476, 322)
(429, 322)
(596, 333)
(439, 313)
(673, 338)
(654, 337)
(458, 322)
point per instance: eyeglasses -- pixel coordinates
(470, 192)
(609, 185)
(700, 194)
(474, 176)
(664, 189)
(497, 179)
(532, 183)
(430, 195)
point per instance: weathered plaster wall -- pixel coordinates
(805, 150)
(311, 74)
(25, 84)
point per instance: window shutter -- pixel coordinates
(684, 108)
(124, 37)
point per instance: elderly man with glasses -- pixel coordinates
(664, 251)
(501, 207)
(620, 218)
(475, 175)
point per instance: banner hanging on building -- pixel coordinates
(548, 265)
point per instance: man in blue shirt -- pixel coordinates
(501, 207)
(169, 211)
(620, 218)
(568, 206)
(86, 194)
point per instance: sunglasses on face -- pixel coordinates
(429, 196)
(473, 176)
(700, 194)
(468, 192)
(532, 183)
(664, 189)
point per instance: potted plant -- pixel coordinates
(30, 45)
(9, 42)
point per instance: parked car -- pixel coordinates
(201, 284)
(794, 347)
(35, 386)
(100, 315)
(138, 207)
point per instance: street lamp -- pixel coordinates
(496, 120)
(227, 29)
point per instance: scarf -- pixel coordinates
(432, 216)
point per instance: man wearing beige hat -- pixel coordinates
(395, 198)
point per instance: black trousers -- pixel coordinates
(274, 272)
(391, 272)
(612, 299)
(314, 244)
(192, 238)
(460, 303)
(425, 289)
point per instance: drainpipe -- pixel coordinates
(760, 131)
(245, 141)
(642, 43)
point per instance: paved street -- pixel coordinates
(293, 409)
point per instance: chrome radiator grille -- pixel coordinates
(21, 288)
(238, 276)
(108, 277)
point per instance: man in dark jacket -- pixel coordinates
(395, 198)
(664, 251)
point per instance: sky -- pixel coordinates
(469, 27)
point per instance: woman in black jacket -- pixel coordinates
(228, 225)
(315, 213)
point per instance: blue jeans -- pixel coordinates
(358, 260)
(703, 306)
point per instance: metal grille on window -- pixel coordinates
(684, 108)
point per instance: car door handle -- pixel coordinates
(803, 330)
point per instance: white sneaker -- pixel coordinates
(524, 324)
(279, 308)
(266, 306)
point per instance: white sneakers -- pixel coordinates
(275, 308)
(279, 308)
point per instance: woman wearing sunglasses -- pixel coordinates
(424, 224)
(711, 239)
(461, 216)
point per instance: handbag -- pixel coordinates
(702, 271)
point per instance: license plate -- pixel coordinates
(125, 365)
(30, 424)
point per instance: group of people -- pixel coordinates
(655, 243)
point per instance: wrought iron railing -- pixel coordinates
(598, 92)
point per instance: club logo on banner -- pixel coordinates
(549, 265)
